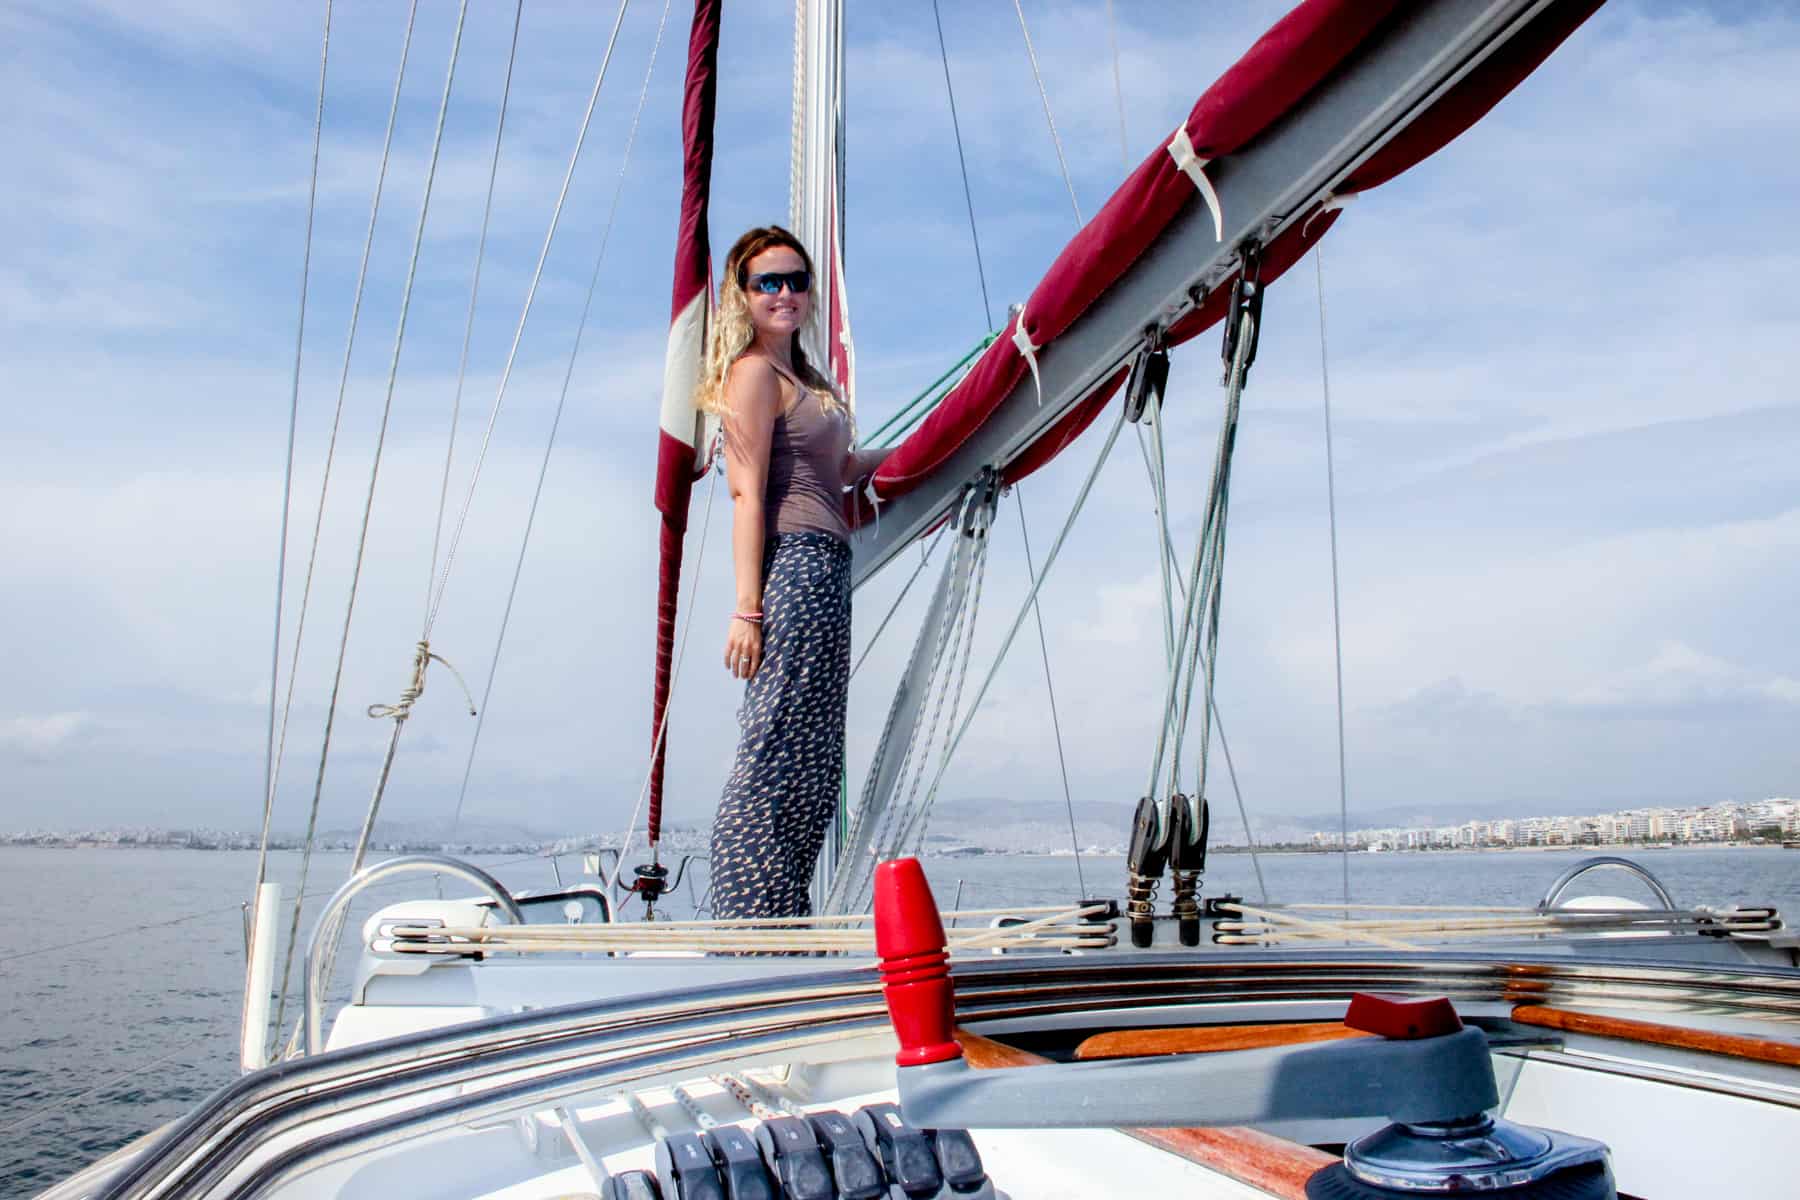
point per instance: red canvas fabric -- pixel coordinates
(675, 450)
(1473, 96)
(1282, 67)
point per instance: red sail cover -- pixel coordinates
(1285, 64)
(678, 453)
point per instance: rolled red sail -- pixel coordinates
(679, 453)
(1296, 55)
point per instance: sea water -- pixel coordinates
(121, 971)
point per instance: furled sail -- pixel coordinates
(1393, 114)
(681, 445)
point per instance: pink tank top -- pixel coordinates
(807, 448)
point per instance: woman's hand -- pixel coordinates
(743, 648)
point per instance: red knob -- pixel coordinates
(915, 968)
(1402, 1018)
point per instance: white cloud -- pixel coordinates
(38, 735)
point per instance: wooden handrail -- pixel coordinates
(1207, 1039)
(1277, 1166)
(1705, 1041)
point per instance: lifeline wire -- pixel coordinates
(1048, 118)
(362, 275)
(987, 309)
(561, 400)
(1337, 629)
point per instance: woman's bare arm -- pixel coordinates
(753, 397)
(859, 463)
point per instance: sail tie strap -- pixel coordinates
(402, 708)
(1331, 203)
(1181, 149)
(1028, 350)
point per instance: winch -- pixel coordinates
(1424, 1070)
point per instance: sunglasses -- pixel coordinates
(769, 283)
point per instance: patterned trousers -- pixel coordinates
(784, 787)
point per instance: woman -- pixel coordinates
(788, 457)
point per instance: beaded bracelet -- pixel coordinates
(755, 618)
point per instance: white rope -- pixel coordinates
(1337, 628)
(1049, 118)
(537, 493)
(537, 276)
(1050, 691)
(362, 274)
(462, 365)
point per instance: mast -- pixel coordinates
(680, 455)
(816, 183)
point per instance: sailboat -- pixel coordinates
(499, 1045)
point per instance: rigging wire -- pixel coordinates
(462, 365)
(674, 677)
(1037, 583)
(287, 479)
(1062, 763)
(362, 275)
(556, 420)
(537, 276)
(1018, 494)
(400, 711)
(1337, 628)
(1112, 36)
(1048, 118)
(874, 638)
(987, 309)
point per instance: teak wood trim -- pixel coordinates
(1275, 1165)
(1206, 1039)
(1707, 1042)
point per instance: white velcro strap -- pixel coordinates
(1331, 203)
(1181, 149)
(1029, 353)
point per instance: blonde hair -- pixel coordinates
(731, 333)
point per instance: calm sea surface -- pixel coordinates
(121, 971)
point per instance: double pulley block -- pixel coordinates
(1176, 844)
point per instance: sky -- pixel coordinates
(1561, 355)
